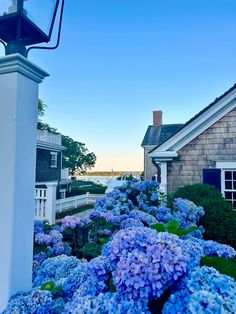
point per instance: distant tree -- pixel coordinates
(76, 156)
(47, 127)
(41, 108)
(41, 113)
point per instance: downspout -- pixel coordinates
(158, 170)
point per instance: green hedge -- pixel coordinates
(219, 220)
(94, 189)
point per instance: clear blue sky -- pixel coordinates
(121, 59)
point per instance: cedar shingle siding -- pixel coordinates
(150, 169)
(44, 172)
(216, 143)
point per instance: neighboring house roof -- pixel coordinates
(198, 124)
(156, 135)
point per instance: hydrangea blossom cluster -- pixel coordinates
(89, 277)
(38, 226)
(55, 268)
(212, 248)
(206, 291)
(163, 214)
(199, 247)
(116, 201)
(145, 262)
(35, 302)
(108, 303)
(50, 240)
(142, 194)
(146, 218)
(136, 198)
(138, 263)
(131, 223)
(123, 199)
(73, 222)
(148, 194)
(187, 213)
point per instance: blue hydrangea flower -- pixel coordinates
(106, 303)
(34, 302)
(131, 223)
(54, 269)
(206, 291)
(145, 262)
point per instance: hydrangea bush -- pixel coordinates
(128, 253)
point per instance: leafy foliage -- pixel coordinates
(86, 240)
(219, 220)
(120, 264)
(41, 108)
(76, 157)
(223, 265)
(94, 189)
(53, 288)
(173, 226)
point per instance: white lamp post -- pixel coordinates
(22, 23)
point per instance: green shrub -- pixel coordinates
(75, 191)
(219, 220)
(197, 192)
(93, 189)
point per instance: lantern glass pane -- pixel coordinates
(8, 7)
(40, 12)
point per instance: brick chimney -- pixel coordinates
(157, 118)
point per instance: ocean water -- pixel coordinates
(103, 180)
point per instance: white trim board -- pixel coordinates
(226, 164)
(198, 125)
(50, 146)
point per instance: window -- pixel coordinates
(53, 160)
(230, 185)
(228, 180)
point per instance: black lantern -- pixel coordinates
(26, 22)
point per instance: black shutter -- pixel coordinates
(212, 177)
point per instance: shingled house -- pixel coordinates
(156, 134)
(49, 162)
(203, 150)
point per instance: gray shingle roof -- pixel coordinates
(157, 135)
(188, 122)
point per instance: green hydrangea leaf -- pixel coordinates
(172, 226)
(223, 265)
(158, 227)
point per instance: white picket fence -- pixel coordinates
(46, 204)
(76, 201)
(40, 203)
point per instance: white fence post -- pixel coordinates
(51, 202)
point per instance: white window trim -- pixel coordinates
(56, 157)
(225, 165)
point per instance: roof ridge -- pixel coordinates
(198, 114)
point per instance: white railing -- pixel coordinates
(40, 203)
(76, 201)
(46, 204)
(45, 136)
